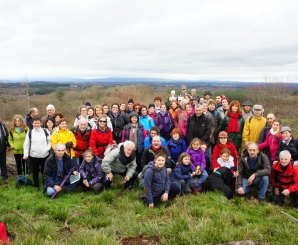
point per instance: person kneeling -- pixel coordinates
(157, 183)
(57, 167)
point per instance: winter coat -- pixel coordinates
(16, 140)
(3, 138)
(141, 135)
(118, 122)
(235, 137)
(39, 144)
(92, 171)
(147, 122)
(252, 129)
(28, 121)
(177, 117)
(221, 112)
(99, 141)
(176, 148)
(64, 136)
(198, 127)
(82, 140)
(246, 115)
(262, 138)
(183, 123)
(217, 153)
(197, 158)
(148, 141)
(273, 142)
(181, 172)
(292, 147)
(148, 156)
(50, 173)
(262, 168)
(164, 122)
(217, 120)
(111, 162)
(156, 181)
(284, 180)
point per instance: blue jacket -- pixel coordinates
(148, 141)
(147, 122)
(156, 181)
(176, 148)
(181, 172)
(92, 171)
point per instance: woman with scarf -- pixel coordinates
(233, 123)
(101, 137)
(145, 119)
(135, 132)
(173, 107)
(164, 121)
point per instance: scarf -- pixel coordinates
(223, 146)
(123, 158)
(133, 135)
(233, 123)
(286, 142)
(273, 132)
(156, 149)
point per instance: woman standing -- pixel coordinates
(145, 119)
(173, 107)
(50, 125)
(233, 123)
(222, 110)
(16, 139)
(164, 121)
(99, 113)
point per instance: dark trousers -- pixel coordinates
(4, 174)
(279, 199)
(174, 191)
(107, 183)
(20, 162)
(37, 163)
(97, 187)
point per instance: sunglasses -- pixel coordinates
(137, 107)
(102, 121)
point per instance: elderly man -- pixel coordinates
(149, 153)
(284, 180)
(33, 112)
(198, 125)
(57, 167)
(50, 113)
(253, 169)
(120, 160)
(82, 133)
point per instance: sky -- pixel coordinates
(193, 40)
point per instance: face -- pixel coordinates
(193, 91)
(183, 90)
(257, 112)
(17, 122)
(130, 105)
(225, 157)
(35, 113)
(88, 157)
(98, 112)
(59, 151)
(144, 111)
(153, 133)
(137, 108)
(286, 135)
(224, 103)
(270, 118)
(128, 150)
(90, 112)
(284, 160)
(134, 119)
(57, 119)
(234, 108)
(50, 124)
(115, 109)
(218, 100)
(163, 108)
(105, 109)
(223, 140)
(84, 111)
(196, 146)
(50, 112)
(205, 107)
(63, 125)
(207, 97)
(174, 105)
(36, 124)
(188, 108)
(157, 103)
(175, 136)
(83, 126)
(204, 148)
(151, 110)
(102, 122)
(194, 102)
(211, 107)
(247, 108)
(253, 151)
(186, 160)
(159, 162)
(275, 126)
(156, 142)
(199, 111)
(122, 107)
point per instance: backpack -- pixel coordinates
(141, 176)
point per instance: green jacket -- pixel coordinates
(236, 138)
(16, 140)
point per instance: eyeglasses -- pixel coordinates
(137, 107)
(102, 121)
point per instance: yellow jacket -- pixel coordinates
(64, 136)
(252, 129)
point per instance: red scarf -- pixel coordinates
(223, 146)
(155, 149)
(233, 123)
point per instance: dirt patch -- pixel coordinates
(140, 240)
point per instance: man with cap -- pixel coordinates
(183, 91)
(253, 126)
(207, 95)
(195, 100)
(247, 112)
(129, 108)
(88, 105)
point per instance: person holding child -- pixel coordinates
(91, 171)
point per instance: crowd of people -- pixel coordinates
(172, 147)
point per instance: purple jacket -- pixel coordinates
(197, 158)
(92, 171)
(164, 122)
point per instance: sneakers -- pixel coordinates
(261, 201)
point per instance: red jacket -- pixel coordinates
(217, 152)
(284, 180)
(82, 141)
(100, 140)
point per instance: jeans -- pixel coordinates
(70, 187)
(262, 182)
(107, 183)
(201, 178)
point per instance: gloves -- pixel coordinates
(68, 144)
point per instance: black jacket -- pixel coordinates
(3, 138)
(118, 122)
(148, 156)
(199, 127)
(292, 147)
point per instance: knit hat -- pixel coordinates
(247, 103)
(176, 131)
(151, 105)
(130, 101)
(173, 92)
(133, 113)
(87, 103)
(225, 98)
(223, 134)
(285, 128)
(258, 107)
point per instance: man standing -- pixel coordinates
(50, 113)
(183, 91)
(207, 95)
(57, 166)
(122, 161)
(253, 169)
(193, 92)
(129, 108)
(218, 100)
(33, 112)
(247, 112)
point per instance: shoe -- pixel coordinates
(195, 190)
(261, 201)
(143, 197)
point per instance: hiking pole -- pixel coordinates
(63, 182)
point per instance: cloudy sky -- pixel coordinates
(235, 40)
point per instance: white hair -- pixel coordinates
(285, 153)
(82, 120)
(59, 144)
(50, 106)
(198, 106)
(128, 143)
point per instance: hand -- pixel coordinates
(126, 178)
(151, 205)
(75, 172)
(110, 176)
(251, 179)
(57, 188)
(236, 173)
(85, 182)
(198, 172)
(275, 162)
(68, 144)
(276, 191)
(215, 169)
(25, 157)
(241, 191)
(295, 163)
(193, 173)
(165, 197)
(285, 192)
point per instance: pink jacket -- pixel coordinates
(272, 141)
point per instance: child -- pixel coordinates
(197, 158)
(157, 183)
(225, 160)
(183, 173)
(91, 171)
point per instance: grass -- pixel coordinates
(87, 218)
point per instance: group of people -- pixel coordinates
(171, 147)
